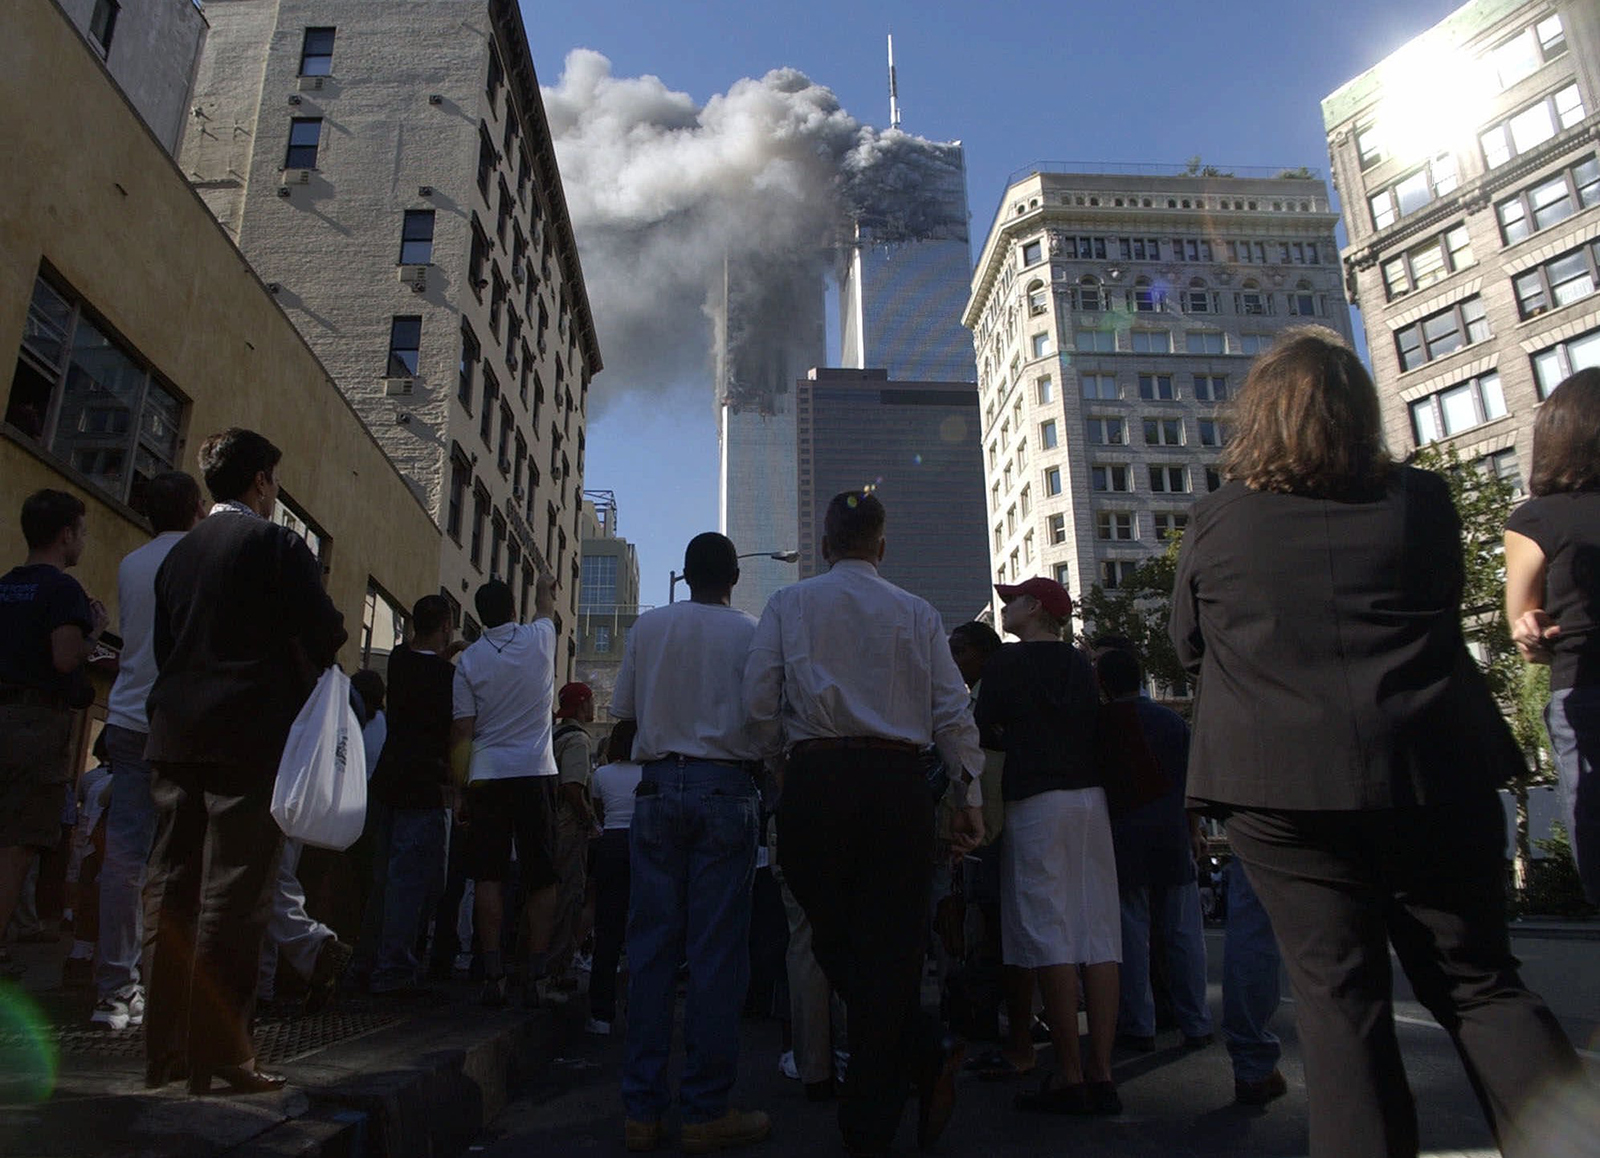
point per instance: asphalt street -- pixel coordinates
(1178, 1104)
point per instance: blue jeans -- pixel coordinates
(1250, 982)
(1573, 720)
(411, 889)
(692, 853)
(130, 833)
(1176, 908)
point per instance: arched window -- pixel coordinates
(1251, 300)
(1090, 297)
(1038, 298)
(1146, 298)
(1197, 298)
(1303, 301)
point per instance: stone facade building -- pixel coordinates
(1468, 172)
(1112, 315)
(388, 170)
(608, 598)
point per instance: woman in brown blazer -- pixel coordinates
(1346, 734)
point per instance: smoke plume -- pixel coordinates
(666, 196)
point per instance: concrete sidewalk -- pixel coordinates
(367, 1079)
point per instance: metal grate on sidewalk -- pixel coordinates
(278, 1040)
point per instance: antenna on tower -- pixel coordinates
(894, 89)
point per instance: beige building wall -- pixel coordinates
(1081, 293)
(405, 107)
(1447, 249)
(119, 227)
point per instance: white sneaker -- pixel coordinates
(841, 1063)
(122, 1010)
(597, 1027)
(582, 962)
(786, 1065)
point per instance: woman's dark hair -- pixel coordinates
(369, 685)
(1307, 420)
(231, 460)
(1566, 437)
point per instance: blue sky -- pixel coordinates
(1236, 81)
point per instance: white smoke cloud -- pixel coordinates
(662, 191)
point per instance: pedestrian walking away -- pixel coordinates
(859, 675)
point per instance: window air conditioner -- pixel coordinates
(399, 387)
(415, 276)
(297, 177)
(311, 83)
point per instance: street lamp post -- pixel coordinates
(780, 556)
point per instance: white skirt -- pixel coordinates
(1058, 892)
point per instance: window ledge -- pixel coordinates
(83, 482)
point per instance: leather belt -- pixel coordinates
(855, 743)
(751, 766)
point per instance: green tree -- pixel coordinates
(1139, 608)
(1302, 173)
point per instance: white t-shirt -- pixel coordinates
(507, 680)
(680, 680)
(613, 788)
(136, 610)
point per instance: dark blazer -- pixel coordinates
(242, 628)
(1326, 637)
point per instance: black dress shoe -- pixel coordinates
(332, 960)
(239, 1079)
(936, 1091)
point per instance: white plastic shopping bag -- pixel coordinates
(321, 795)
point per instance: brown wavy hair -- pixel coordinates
(1307, 421)
(1566, 437)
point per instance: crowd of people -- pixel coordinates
(1021, 814)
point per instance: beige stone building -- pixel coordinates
(1467, 167)
(134, 328)
(388, 171)
(608, 599)
(1112, 315)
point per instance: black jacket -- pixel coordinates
(243, 627)
(1326, 636)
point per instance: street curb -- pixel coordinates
(1557, 932)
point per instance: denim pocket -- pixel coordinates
(732, 818)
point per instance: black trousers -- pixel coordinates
(855, 842)
(207, 899)
(609, 870)
(1340, 888)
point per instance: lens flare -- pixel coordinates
(29, 1044)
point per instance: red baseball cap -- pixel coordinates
(571, 697)
(1051, 595)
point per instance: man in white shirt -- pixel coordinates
(860, 676)
(692, 851)
(500, 748)
(173, 504)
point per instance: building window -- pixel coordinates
(1213, 433)
(416, 237)
(1026, 499)
(491, 395)
(1108, 479)
(1052, 481)
(1042, 345)
(1532, 126)
(602, 637)
(480, 515)
(1048, 435)
(316, 52)
(1559, 281)
(1302, 301)
(1116, 526)
(85, 397)
(1213, 478)
(1461, 407)
(496, 77)
(460, 477)
(1442, 333)
(1551, 200)
(1032, 253)
(1205, 342)
(1115, 572)
(1027, 549)
(1433, 260)
(1210, 388)
(1169, 523)
(103, 23)
(1011, 520)
(1369, 145)
(999, 537)
(1095, 341)
(1099, 386)
(1157, 387)
(1058, 528)
(405, 341)
(1252, 301)
(304, 135)
(1163, 432)
(497, 543)
(1169, 480)
(1254, 343)
(1090, 299)
(1146, 298)
(485, 161)
(1084, 248)
(1198, 299)
(1555, 365)
(1064, 575)
(1503, 465)
(1022, 453)
(1527, 51)
(1106, 432)
(1016, 568)
(503, 212)
(477, 259)
(1038, 298)
(994, 497)
(1413, 191)
(504, 449)
(1005, 476)
(1045, 390)
(1191, 248)
(470, 353)
(1152, 342)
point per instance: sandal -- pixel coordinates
(995, 1066)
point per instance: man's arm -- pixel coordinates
(544, 596)
(956, 737)
(461, 749)
(763, 669)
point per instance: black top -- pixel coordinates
(415, 765)
(1326, 635)
(1152, 842)
(34, 601)
(1567, 529)
(242, 629)
(1037, 702)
